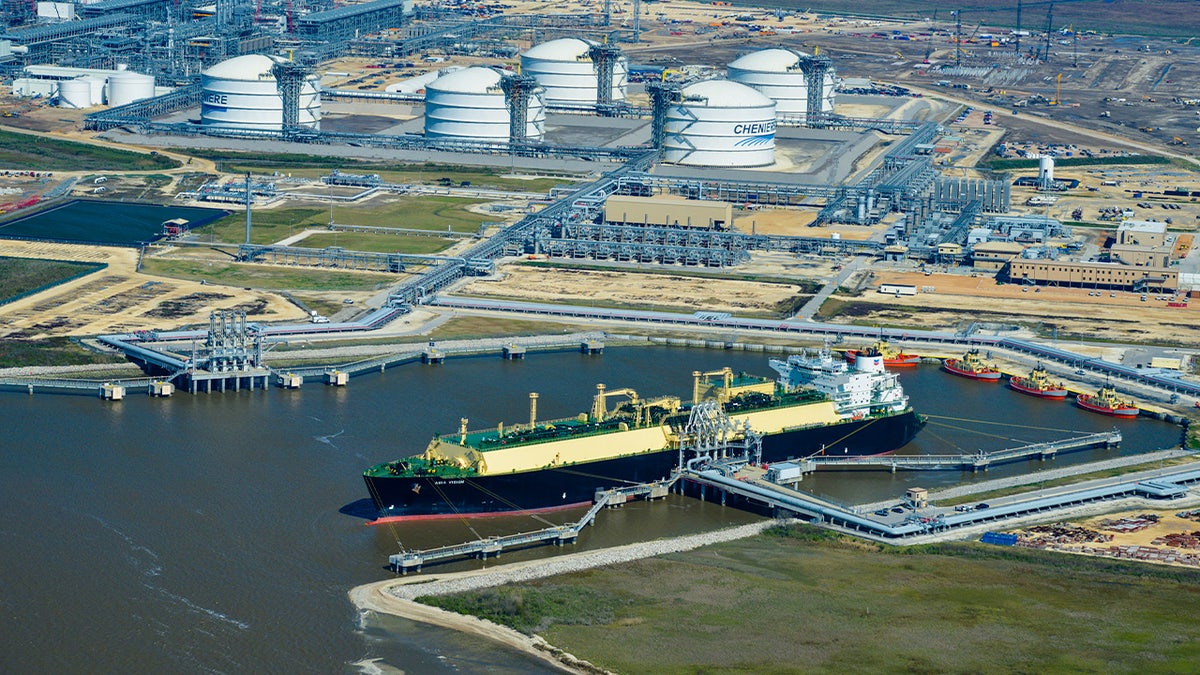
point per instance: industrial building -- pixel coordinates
(994, 255)
(1094, 275)
(670, 212)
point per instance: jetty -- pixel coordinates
(978, 461)
(412, 560)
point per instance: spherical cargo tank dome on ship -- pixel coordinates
(720, 123)
(242, 93)
(469, 104)
(565, 68)
(777, 74)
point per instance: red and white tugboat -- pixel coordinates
(970, 365)
(1106, 402)
(1038, 384)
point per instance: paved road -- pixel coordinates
(810, 308)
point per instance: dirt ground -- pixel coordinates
(119, 298)
(678, 293)
(948, 300)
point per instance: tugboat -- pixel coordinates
(1106, 402)
(1038, 384)
(970, 365)
(892, 357)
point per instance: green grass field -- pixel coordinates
(412, 212)
(807, 601)
(377, 243)
(312, 166)
(266, 277)
(19, 353)
(22, 275)
(40, 153)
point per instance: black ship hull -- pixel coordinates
(400, 497)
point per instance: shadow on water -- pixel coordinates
(363, 509)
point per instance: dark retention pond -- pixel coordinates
(89, 221)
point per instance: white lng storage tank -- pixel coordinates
(469, 104)
(565, 70)
(777, 74)
(242, 93)
(74, 94)
(720, 123)
(126, 86)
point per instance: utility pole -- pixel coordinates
(958, 37)
(1049, 31)
(1017, 32)
(248, 208)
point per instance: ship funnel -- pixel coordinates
(462, 431)
(869, 363)
(533, 397)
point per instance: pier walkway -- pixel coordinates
(975, 462)
(408, 560)
(1167, 484)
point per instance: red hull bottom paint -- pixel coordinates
(482, 514)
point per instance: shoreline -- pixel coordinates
(397, 596)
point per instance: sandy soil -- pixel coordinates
(119, 298)
(677, 292)
(376, 598)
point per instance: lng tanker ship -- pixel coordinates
(817, 405)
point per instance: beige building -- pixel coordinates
(1142, 233)
(662, 211)
(1106, 275)
(994, 255)
(1141, 256)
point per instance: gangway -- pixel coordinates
(407, 560)
(973, 461)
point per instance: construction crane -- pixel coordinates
(1057, 91)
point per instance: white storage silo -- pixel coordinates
(469, 104)
(126, 86)
(1045, 172)
(777, 74)
(720, 123)
(242, 93)
(565, 70)
(74, 94)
